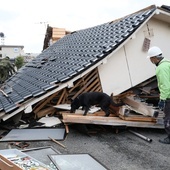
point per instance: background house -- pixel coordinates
(11, 51)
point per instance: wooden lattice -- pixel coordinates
(89, 82)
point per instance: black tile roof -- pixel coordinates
(166, 7)
(67, 58)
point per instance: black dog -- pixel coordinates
(88, 99)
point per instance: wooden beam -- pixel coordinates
(45, 101)
(47, 111)
(61, 97)
(67, 128)
(98, 113)
(83, 88)
(112, 121)
(91, 85)
(137, 118)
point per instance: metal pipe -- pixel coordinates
(141, 136)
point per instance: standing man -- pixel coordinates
(163, 78)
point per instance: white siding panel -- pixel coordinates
(141, 68)
(114, 74)
(161, 36)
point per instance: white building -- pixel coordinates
(12, 51)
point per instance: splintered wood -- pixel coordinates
(139, 107)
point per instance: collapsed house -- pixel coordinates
(109, 58)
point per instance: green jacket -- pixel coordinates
(163, 78)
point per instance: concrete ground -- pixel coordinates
(116, 148)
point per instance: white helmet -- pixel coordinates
(154, 51)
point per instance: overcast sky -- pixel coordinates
(24, 21)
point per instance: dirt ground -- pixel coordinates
(116, 148)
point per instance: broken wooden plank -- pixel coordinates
(137, 118)
(57, 142)
(112, 121)
(126, 113)
(139, 107)
(146, 90)
(62, 97)
(6, 164)
(46, 111)
(98, 113)
(67, 128)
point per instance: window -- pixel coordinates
(16, 50)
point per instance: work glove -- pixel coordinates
(161, 104)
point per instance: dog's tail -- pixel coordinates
(115, 107)
(117, 104)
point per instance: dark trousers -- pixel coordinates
(167, 117)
